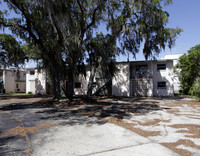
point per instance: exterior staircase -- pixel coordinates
(106, 85)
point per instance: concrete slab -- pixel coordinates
(106, 139)
(151, 149)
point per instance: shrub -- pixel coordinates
(195, 89)
(11, 92)
(30, 93)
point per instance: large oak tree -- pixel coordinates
(63, 31)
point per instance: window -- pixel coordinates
(77, 85)
(32, 72)
(94, 84)
(141, 70)
(161, 85)
(17, 85)
(161, 66)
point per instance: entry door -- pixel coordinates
(32, 87)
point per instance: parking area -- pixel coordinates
(104, 126)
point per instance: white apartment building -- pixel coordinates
(35, 81)
(144, 78)
(136, 78)
(14, 81)
(175, 58)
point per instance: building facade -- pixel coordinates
(14, 81)
(137, 78)
(175, 58)
(144, 78)
(36, 81)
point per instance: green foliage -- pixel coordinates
(30, 93)
(195, 89)
(12, 52)
(188, 68)
(62, 31)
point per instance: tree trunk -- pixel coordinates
(56, 83)
(91, 80)
(70, 85)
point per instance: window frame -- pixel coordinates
(162, 67)
(141, 69)
(77, 83)
(162, 86)
(32, 72)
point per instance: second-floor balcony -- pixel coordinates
(20, 77)
(140, 71)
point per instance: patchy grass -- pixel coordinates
(12, 93)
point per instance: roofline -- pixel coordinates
(143, 61)
(31, 68)
(21, 70)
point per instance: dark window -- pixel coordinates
(161, 85)
(94, 84)
(141, 70)
(32, 72)
(161, 66)
(17, 86)
(78, 85)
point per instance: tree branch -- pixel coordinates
(28, 22)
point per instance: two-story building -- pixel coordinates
(14, 81)
(36, 81)
(136, 78)
(144, 78)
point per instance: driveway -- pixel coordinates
(107, 126)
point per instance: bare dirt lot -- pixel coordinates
(171, 122)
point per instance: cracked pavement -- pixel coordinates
(107, 126)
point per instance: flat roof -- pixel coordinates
(143, 61)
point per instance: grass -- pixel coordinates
(12, 93)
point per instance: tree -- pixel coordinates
(62, 29)
(132, 23)
(101, 54)
(189, 67)
(195, 89)
(34, 26)
(12, 52)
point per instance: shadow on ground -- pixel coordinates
(78, 112)
(89, 108)
(7, 96)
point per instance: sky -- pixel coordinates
(184, 14)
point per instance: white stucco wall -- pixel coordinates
(163, 75)
(121, 81)
(142, 87)
(84, 83)
(36, 83)
(9, 81)
(175, 58)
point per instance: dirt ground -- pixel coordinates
(171, 122)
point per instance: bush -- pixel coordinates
(11, 92)
(30, 93)
(195, 89)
